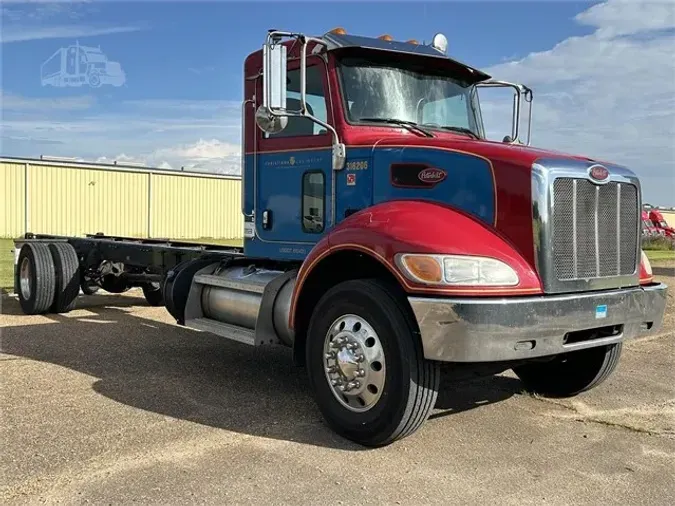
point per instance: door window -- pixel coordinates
(316, 104)
(313, 203)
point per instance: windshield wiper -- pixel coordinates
(411, 125)
(463, 130)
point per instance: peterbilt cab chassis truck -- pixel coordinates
(385, 238)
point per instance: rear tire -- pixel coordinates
(37, 278)
(153, 294)
(67, 268)
(397, 386)
(571, 373)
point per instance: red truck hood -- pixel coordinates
(497, 151)
(512, 173)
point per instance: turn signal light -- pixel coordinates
(386, 37)
(338, 31)
(425, 268)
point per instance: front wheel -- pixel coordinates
(571, 373)
(366, 365)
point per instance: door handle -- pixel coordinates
(266, 219)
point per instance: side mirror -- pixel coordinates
(271, 115)
(521, 95)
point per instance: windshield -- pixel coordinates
(377, 87)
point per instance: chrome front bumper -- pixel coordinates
(514, 328)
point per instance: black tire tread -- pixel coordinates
(45, 282)
(67, 270)
(425, 374)
(541, 379)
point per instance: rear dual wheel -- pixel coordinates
(366, 365)
(49, 278)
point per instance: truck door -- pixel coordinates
(293, 174)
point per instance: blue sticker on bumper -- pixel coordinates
(601, 312)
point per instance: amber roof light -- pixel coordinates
(386, 37)
(338, 31)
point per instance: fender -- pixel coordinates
(414, 226)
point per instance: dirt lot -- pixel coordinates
(112, 403)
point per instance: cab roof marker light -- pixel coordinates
(440, 43)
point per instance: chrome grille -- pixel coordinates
(595, 229)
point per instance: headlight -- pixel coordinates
(456, 270)
(647, 265)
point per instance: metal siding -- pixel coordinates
(73, 201)
(185, 207)
(12, 199)
(67, 199)
(669, 216)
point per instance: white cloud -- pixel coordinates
(21, 33)
(625, 17)
(606, 95)
(11, 102)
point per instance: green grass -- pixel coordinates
(6, 264)
(656, 255)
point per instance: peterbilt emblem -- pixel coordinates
(598, 173)
(431, 175)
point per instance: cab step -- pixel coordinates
(239, 334)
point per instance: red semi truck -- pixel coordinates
(385, 238)
(648, 228)
(660, 224)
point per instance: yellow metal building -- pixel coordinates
(76, 198)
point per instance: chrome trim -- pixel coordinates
(243, 157)
(544, 173)
(521, 92)
(518, 328)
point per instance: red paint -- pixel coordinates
(645, 277)
(409, 226)
(599, 173)
(432, 176)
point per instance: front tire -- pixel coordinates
(571, 373)
(366, 365)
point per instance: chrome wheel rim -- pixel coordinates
(354, 363)
(25, 274)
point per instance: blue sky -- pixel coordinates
(593, 66)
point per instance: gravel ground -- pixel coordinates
(112, 404)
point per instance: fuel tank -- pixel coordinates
(250, 301)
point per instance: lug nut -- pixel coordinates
(360, 373)
(330, 354)
(330, 369)
(352, 346)
(353, 384)
(360, 358)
